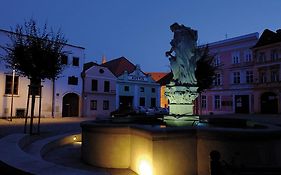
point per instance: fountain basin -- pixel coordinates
(177, 150)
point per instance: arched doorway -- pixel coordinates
(269, 103)
(70, 105)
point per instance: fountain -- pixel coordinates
(149, 149)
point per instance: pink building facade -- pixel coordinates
(235, 78)
(267, 58)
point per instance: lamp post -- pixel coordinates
(12, 99)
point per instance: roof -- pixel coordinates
(89, 65)
(166, 79)
(119, 66)
(157, 75)
(269, 37)
(71, 45)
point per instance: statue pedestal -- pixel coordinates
(181, 105)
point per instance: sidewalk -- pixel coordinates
(49, 126)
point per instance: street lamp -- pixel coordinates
(12, 100)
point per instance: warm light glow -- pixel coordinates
(162, 126)
(145, 168)
(74, 138)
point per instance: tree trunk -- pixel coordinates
(34, 84)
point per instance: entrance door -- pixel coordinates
(269, 103)
(126, 102)
(242, 104)
(70, 105)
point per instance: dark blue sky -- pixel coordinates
(139, 30)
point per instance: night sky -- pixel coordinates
(139, 30)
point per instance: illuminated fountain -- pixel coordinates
(163, 150)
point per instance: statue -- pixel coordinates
(183, 62)
(182, 91)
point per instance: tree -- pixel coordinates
(205, 70)
(35, 54)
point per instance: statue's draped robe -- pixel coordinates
(184, 64)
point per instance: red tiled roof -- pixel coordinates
(166, 79)
(119, 65)
(157, 75)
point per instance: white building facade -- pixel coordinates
(60, 98)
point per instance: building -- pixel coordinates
(267, 58)
(60, 98)
(235, 77)
(133, 87)
(99, 91)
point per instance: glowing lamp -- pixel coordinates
(74, 138)
(145, 168)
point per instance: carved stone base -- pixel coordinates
(181, 99)
(191, 120)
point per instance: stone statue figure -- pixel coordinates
(182, 55)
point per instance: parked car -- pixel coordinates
(123, 112)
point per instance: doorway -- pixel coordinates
(70, 105)
(269, 103)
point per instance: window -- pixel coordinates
(141, 89)
(75, 61)
(248, 56)
(153, 90)
(203, 102)
(126, 88)
(262, 57)
(36, 91)
(142, 101)
(217, 60)
(64, 59)
(94, 85)
(153, 102)
(217, 79)
(236, 77)
(217, 102)
(73, 80)
(106, 86)
(262, 77)
(9, 84)
(274, 76)
(249, 77)
(105, 104)
(93, 105)
(274, 55)
(235, 58)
